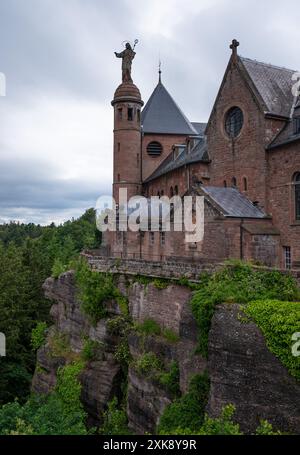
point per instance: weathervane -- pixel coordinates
(127, 56)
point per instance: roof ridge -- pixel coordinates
(269, 65)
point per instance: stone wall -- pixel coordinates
(172, 270)
(169, 270)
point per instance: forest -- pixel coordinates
(28, 255)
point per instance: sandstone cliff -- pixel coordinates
(242, 370)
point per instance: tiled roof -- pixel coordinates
(197, 154)
(161, 115)
(232, 203)
(274, 85)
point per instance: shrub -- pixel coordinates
(58, 268)
(115, 421)
(170, 380)
(91, 350)
(118, 325)
(148, 364)
(149, 327)
(187, 412)
(222, 425)
(59, 413)
(266, 429)
(161, 283)
(122, 353)
(278, 322)
(170, 336)
(38, 335)
(68, 386)
(238, 282)
(94, 290)
(59, 344)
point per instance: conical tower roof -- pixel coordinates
(161, 115)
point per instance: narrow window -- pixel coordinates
(171, 192)
(287, 257)
(138, 160)
(234, 182)
(130, 114)
(162, 192)
(245, 184)
(119, 147)
(176, 190)
(162, 238)
(151, 234)
(225, 184)
(297, 196)
(119, 178)
(138, 116)
(120, 113)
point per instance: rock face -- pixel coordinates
(100, 378)
(245, 373)
(242, 370)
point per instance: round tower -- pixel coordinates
(127, 105)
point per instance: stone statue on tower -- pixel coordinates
(127, 56)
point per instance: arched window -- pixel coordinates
(154, 149)
(162, 192)
(225, 184)
(234, 182)
(171, 192)
(234, 121)
(245, 184)
(176, 190)
(297, 196)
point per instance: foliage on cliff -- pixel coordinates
(279, 321)
(238, 282)
(59, 413)
(27, 255)
(188, 411)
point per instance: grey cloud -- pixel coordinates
(58, 46)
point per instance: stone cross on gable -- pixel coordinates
(234, 45)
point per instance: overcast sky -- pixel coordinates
(58, 57)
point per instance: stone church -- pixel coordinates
(245, 162)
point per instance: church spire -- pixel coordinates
(159, 72)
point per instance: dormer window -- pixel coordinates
(296, 125)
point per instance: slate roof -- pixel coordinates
(287, 135)
(274, 85)
(200, 127)
(232, 203)
(197, 154)
(161, 115)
